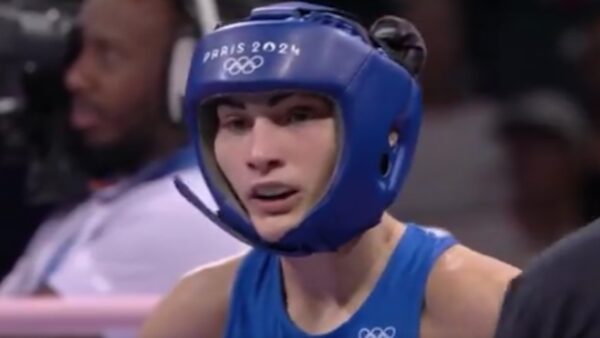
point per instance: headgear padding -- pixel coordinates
(304, 47)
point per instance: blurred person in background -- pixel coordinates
(546, 137)
(459, 177)
(555, 158)
(132, 233)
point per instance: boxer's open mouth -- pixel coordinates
(273, 193)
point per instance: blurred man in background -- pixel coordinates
(132, 233)
(456, 141)
(546, 136)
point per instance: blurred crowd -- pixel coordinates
(508, 158)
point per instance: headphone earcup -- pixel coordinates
(181, 60)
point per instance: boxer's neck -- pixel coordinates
(322, 283)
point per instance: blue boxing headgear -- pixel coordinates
(303, 47)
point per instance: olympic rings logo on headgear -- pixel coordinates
(243, 65)
(377, 332)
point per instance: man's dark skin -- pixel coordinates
(118, 83)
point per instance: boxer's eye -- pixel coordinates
(299, 114)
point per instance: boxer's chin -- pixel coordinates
(272, 228)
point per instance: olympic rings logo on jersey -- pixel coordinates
(243, 65)
(377, 332)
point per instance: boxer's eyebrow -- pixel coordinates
(275, 99)
(229, 101)
(235, 103)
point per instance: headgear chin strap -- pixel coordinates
(370, 76)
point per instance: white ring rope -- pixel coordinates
(73, 316)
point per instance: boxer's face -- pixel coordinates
(277, 152)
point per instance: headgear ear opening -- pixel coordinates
(204, 16)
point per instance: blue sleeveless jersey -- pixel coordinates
(392, 310)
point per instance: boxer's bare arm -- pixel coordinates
(464, 294)
(197, 307)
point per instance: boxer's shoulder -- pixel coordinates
(464, 293)
(198, 305)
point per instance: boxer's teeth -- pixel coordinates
(272, 192)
